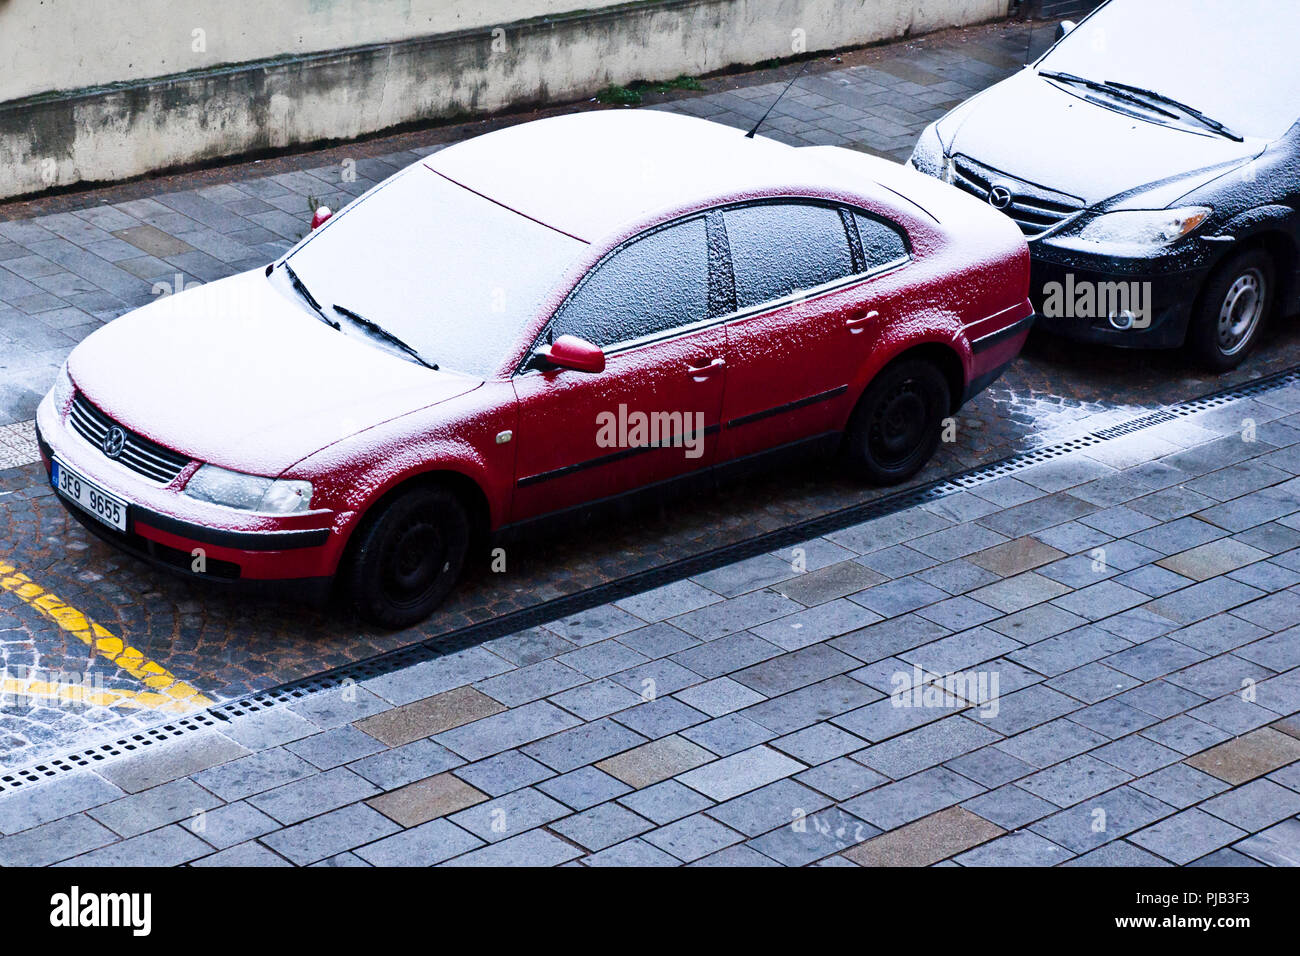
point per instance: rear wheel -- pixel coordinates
(1232, 309)
(895, 428)
(408, 556)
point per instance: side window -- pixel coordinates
(882, 243)
(780, 248)
(654, 284)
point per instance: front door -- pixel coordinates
(653, 413)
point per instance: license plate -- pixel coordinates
(88, 496)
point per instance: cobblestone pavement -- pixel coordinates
(71, 263)
(1094, 660)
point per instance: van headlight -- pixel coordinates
(233, 489)
(1135, 231)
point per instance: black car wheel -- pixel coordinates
(408, 556)
(1232, 310)
(895, 428)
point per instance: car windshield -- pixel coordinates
(454, 275)
(1233, 60)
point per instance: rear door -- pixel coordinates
(653, 414)
(801, 276)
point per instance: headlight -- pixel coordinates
(233, 489)
(928, 156)
(63, 391)
(1137, 231)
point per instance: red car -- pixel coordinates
(541, 318)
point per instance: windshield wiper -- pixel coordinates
(383, 333)
(301, 288)
(1189, 110)
(1108, 88)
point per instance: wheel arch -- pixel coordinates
(462, 485)
(1276, 230)
(944, 356)
(1281, 248)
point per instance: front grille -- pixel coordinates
(1034, 209)
(139, 454)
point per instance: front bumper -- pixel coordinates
(1060, 284)
(302, 550)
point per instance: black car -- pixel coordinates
(1152, 159)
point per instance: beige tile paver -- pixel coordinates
(1248, 756)
(1013, 557)
(658, 760)
(926, 841)
(432, 715)
(1212, 559)
(427, 799)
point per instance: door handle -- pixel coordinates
(708, 369)
(855, 325)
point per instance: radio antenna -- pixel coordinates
(750, 134)
(1029, 43)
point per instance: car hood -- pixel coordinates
(1033, 130)
(238, 374)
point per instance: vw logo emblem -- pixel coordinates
(999, 197)
(114, 442)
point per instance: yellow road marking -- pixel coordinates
(91, 696)
(164, 686)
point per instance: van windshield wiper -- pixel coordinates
(1108, 88)
(1189, 110)
(301, 288)
(383, 333)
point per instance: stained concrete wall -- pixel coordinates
(71, 44)
(100, 93)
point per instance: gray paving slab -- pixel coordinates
(150, 809)
(329, 834)
(45, 802)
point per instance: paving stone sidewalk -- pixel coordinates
(1094, 660)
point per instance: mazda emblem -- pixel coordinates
(114, 442)
(999, 197)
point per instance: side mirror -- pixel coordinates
(569, 351)
(320, 216)
(1064, 27)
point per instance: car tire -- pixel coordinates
(895, 428)
(1232, 309)
(408, 556)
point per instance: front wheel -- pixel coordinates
(1231, 311)
(895, 428)
(408, 556)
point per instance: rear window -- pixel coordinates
(781, 248)
(882, 244)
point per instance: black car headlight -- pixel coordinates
(929, 157)
(1132, 232)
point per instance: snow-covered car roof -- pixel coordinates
(592, 174)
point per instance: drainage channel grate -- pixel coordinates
(117, 748)
(625, 587)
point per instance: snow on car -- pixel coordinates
(544, 317)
